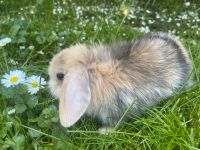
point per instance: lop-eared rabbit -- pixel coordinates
(104, 80)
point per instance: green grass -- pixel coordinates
(173, 125)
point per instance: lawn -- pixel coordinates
(38, 29)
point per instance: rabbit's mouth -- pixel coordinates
(54, 91)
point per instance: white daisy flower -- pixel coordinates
(4, 41)
(22, 47)
(31, 47)
(12, 111)
(144, 29)
(187, 4)
(13, 78)
(35, 83)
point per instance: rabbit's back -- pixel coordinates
(147, 70)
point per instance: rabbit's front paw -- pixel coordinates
(105, 130)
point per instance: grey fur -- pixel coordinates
(149, 83)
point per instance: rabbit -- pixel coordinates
(104, 80)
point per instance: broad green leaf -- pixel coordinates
(19, 141)
(53, 37)
(39, 2)
(48, 116)
(44, 123)
(20, 108)
(3, 132)
(32, 102)
(14, 29)
(41, 38)
(15, 143)
(33, 133)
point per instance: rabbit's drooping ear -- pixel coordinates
(75, 96)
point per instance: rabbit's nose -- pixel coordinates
(60, 76)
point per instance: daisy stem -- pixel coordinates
(120, 25)
(5, 59)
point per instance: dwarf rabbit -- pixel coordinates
(104, 80)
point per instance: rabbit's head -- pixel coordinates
(69, 82)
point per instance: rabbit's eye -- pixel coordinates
(60, 76)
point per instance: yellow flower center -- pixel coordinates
(14, 79)
(34, 84)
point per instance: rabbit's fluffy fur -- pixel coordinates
(143, 71)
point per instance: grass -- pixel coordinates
(53, 25)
